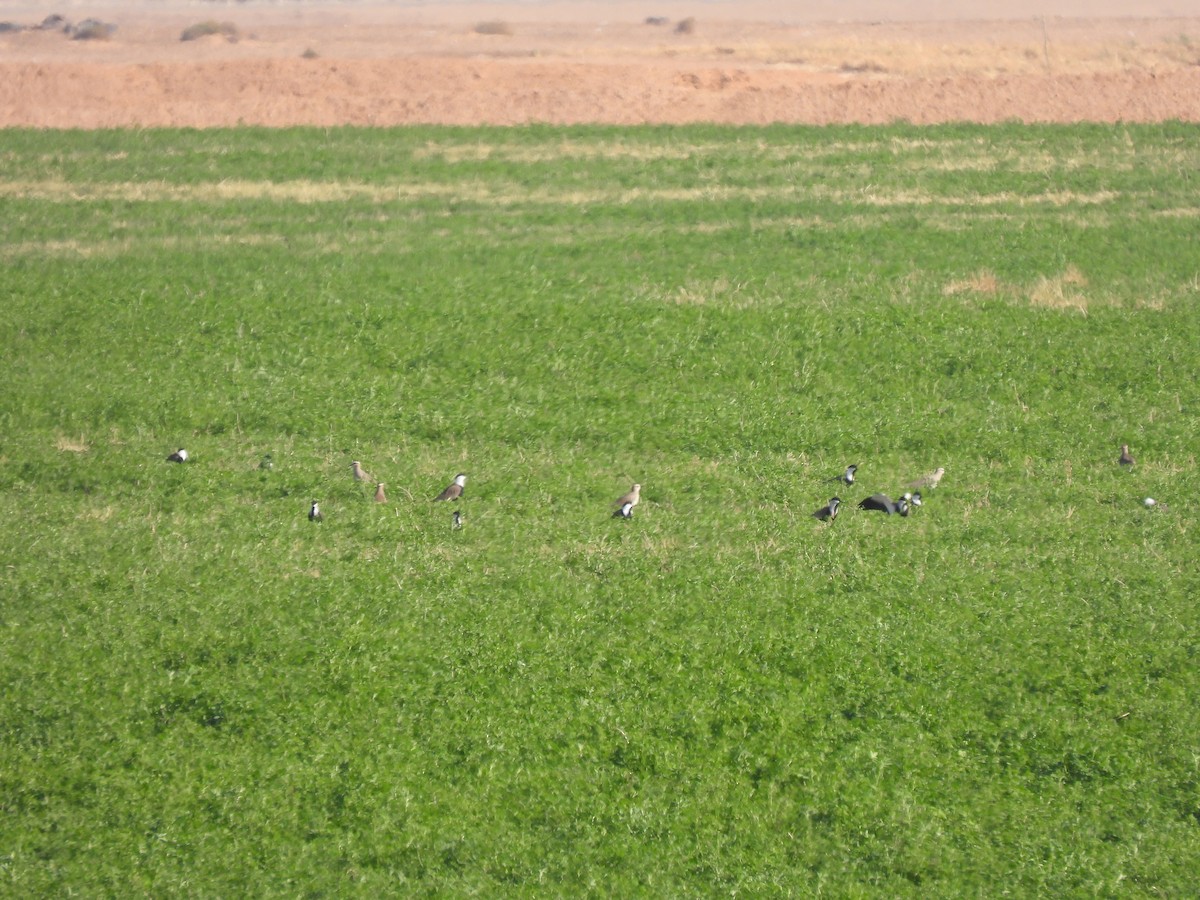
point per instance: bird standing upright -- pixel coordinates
(632, 498)
(380, 497)
(453, 490)
(1126, 459)
(829, 511)
(314, 513)
(846, 477)
(178, 456)
(457, 519)
(361, 474)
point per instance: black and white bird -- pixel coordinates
(829, 511)
(846, 477)
(632, 499)
(453, 490)
(361, 474)
(457, 520)
(625, 512)
(914, 498)
(1126, 459)
(885, 504)
(178, 456)
(930, 481)
(314, 513)
(267, 464)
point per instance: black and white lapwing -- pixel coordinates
(1125, 460)
(829, 511)
(179, 456)
(929, 481)
(846, 477)
(266, 464)
(632, 499)
(456, 520)
(314, 513)
(380, 496)
(625, 511)
(884, 503)
(361, 474)
(914, 499)
(453, 490)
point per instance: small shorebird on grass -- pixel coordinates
(314, 513)
(453, 490)
(625, 511)
(178, 456)
(1125, 459)
(914, 499)
(930, 481)
(380, 496)
(846, 477)
(457, 519)
(361, 474)
(885, 504)
(829, 511)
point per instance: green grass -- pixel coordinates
(205, 694)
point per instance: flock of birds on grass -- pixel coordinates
(882, 502)
(624, 505)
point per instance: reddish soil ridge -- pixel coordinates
(380, 65)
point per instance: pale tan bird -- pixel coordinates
(1126, 459)
(930, 481)
(380, 497)
(361, 474)
(453, 490)
(633, 498)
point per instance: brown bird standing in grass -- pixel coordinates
(930, 481)
(1126, 459)
(361, 474)
(453, 490)
(633, 498)
(380, 497)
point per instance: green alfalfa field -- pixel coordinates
(202, 693)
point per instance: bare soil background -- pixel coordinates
(298, 62)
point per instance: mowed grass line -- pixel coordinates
(204, 692)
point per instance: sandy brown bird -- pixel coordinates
(930, 481)
(1126, 459)
(633, 498)
(361, 474)
(453, 490)
(380, 496)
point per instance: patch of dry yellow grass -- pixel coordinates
(71, 445)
